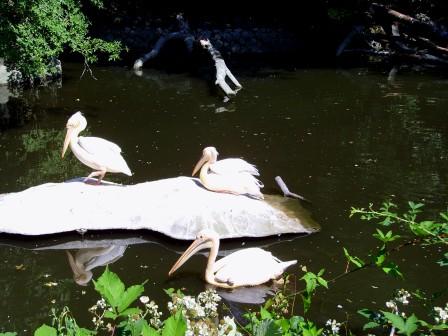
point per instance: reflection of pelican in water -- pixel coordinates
(97, 153)
(248, 267)
(234, 176)
(87, 259)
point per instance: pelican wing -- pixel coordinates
(249, 267)
(95, 145)
(239, 183)
(102, 154)
(232, 166)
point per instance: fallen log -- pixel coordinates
(184, 33)
(425, 27)
(222, 71)
(177, 207)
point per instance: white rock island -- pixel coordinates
(177, 207)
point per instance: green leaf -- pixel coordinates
(397, 321)
(175, 326)
(323, 282)
(148, 330)
(110, 287)
(444, 260)
(355, 260)
(45, 330)
(379, 259)
(444, 215)
(306, 299)
(404, 326)
(130, 295)
(130, 311)
(370, 325)
(267, 328)
(264, 314)
(284, 324)
(169, 291)
(410, 325)
(367, 313)
(110, 314)
(415, 206)
(295, 322)
(392, 269)
(8, 333)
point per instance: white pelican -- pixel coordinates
(248, 267)
(234, 176)
(96, 153)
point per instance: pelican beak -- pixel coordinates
(197, 245)
(200, 163)
(68, 136)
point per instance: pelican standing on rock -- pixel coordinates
(96, 153)
(248, 267)
(234, 176)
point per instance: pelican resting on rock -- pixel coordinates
(233, 176)
(96, 153)
(247, 267)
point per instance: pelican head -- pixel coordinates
(205, 239)
(209, 154)
(75, 124)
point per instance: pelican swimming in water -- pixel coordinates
(248, 267)
(96, 153)
(234, 176)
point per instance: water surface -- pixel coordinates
(340, 138)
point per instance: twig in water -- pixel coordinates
(286, 191)
(87, 67)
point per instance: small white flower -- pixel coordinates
(402, 296)
(228, 327)
(391, 304)
(334, 326)
(144, 299)
(101, 303)
(442, 314)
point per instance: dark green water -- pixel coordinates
(340, 138)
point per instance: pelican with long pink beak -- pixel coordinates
(233, 176)
(99, 154)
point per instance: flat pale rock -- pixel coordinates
(177, 207)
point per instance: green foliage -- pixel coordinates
(34, 33)
(405, 326)
(422, 232)
(65, 324)
(45, 330)
(175, 325)
(113, 290)
(312, 281)
(427, 232)
(355, 260)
